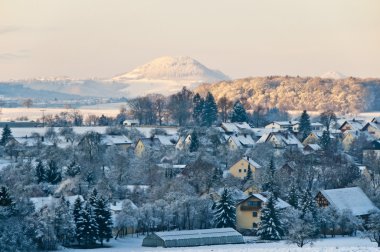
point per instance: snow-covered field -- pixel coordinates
(339, 244)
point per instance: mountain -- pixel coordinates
(167, 75)
(333, 75)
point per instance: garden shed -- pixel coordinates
(190, 238)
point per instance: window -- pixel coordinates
(245, 170)
(254, 214)
(254, 203)
(254, 225)
(239, 170)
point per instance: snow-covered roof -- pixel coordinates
(353, 199)
(253, 163)
(115, 140)
(259, 132)
(372, 124)
(167, 140)
(261, 196)
(131, 188)
(283, 123)
(354, 124)
(32, 141)
(243, 140)
(197, 234)
(314, 147)
(40, 202)
(235, 127)
(285, 137)
(171, 166)
(319, 134)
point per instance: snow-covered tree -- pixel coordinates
(373, 227)
(238, 113)
(293, 195)
(6, 135)
(194, 143)
(270, 227)
(64, 224)
(210, 110)
(5, 198)
(40, 172)
(103, 220)
(53, 173)
(198, 103)
(300, 231)
(224, 211)
(305, 126)
(325, 141)
(87, 229)
(73, 169)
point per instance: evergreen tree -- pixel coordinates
(93, 198)
(307, 204)
(77, 209)
(64, 224)
(103, 220)
(270, 228)
(293, 197)
(52, 173)
(224, 211)
(6, 135)
(305, 126)
(210, 111)
(40, 172)
(325, 141)
(5, 198)
(194, 143)
(73, 169)
(249, 174)
(87, 229)
(198, 103)
(238, 113)
(270, 184)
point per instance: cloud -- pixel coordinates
(21, 54)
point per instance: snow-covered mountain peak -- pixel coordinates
(333, 75)
(180, 68)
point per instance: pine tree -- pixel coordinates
(87, 229)
(5, 198)
(40, 172)
(325, 141)
(305, 126)
(249, 174)
(198, 103)
(270, 184)
(270, 228)
(307, 204)
(93, 198)
(6, 135)
(238, 113)
(77, 209)
(64, 224)
(103, 220)
(293, 197)
(224, 211)
(194, 143)
(73, 169)
(210, 111)
(52, 173)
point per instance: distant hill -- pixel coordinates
(349, 95)
(333, 75)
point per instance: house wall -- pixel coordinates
(311, 139)
(232, 145)
(347, 141)
(374, 132)
(239, 169)
(244, 215)
(139, 149)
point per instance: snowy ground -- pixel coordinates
(340, 244)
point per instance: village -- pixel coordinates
(317, 178)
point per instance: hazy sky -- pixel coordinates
(102, 38)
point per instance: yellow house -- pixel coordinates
(144, 143)
(240, 168)
(248, 211)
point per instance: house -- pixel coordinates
(131, 123)
(183, 142)
(281, 140)
(372, 151)
(353, 124)
(284, 125)
(288, 167)
(316, 126)
(171, 170)
(248, 211)
(373, 129)
(116, 207)
(236, 128)
(314, 137)
(240, 168)
(235, 142)
(155, 143)
(191, 238)
(376, 120)
(120, 141)
(310, 148)
(350, 136)
(353, 199)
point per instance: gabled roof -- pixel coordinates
(319, 133)
(253, 163)
(285, 137)
(354, 124)
(353, 199)
(283, 123)
(372, 124)
(314, 147)
(40, 202)
(167, 140)
(243, 140)
(263, 198)
(115, 140)
(235, 127)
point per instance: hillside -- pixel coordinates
(347, 95)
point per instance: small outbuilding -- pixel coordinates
(191, 238)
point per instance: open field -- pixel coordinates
(339, 244)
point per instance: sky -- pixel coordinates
(104, 38)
